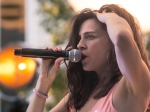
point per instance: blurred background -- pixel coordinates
(38, 24)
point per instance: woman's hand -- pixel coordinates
(116, 25)
(48, 71)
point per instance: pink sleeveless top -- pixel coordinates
(105, 103)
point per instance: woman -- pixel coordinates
(114, 74)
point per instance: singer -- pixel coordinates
(113, 76)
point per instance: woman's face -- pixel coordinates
(95, 45)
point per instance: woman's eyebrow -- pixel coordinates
(88, 32)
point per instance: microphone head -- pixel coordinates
(75, 55)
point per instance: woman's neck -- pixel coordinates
(102, 73)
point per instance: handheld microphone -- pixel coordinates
(74, 55)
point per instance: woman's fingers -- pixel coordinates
(69, 48)
(57, 63)
(53, 69)
(56, 49)
(51, 66)
(100, 17)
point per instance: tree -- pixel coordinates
(55, 14)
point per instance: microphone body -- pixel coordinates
(73, 55)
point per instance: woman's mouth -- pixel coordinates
(83, 57)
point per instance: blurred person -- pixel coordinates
(112, 76)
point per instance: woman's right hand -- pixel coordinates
(48, 71)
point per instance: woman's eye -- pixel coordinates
(90, 36)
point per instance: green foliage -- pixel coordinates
(58, 89)
(59, 85)
(55, 14)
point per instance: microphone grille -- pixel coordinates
(75, 55)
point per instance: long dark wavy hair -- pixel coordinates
(82, 83)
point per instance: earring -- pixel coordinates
(108, 58)
(107, 55)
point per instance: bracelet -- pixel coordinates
(39, 94)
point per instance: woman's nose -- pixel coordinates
(81, 45)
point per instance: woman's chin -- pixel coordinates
(87, 69)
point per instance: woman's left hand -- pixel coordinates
(116, 25)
